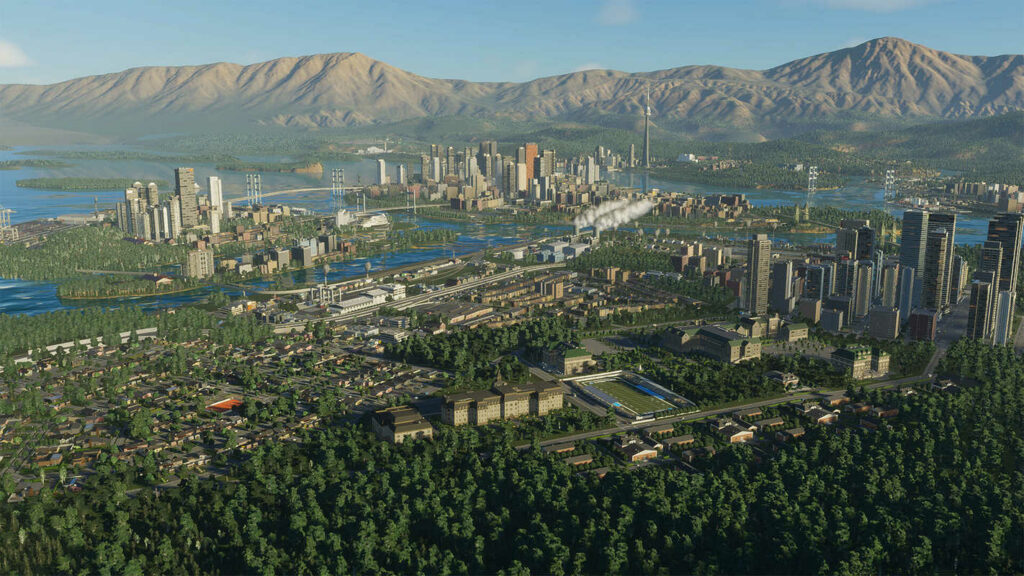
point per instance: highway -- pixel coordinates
(396, 270)
(413, 301)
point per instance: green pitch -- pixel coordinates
(631, 398)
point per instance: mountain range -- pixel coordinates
(881, 81)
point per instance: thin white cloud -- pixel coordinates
(588, 66)
(617, 12)
(874, 5)
(525, 70)
(11, 56)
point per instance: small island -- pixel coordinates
(84, 184)
(283, 167)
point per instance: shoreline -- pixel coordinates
(119, 296)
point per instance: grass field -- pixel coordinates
(631, 398)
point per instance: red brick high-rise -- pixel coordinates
(531, 156)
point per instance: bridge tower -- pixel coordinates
(7, 232)
(254, 188)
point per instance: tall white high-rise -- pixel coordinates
(213, 184)
(382, 174)
(592, 171)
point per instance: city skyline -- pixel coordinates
(82, 41)
(353, 314)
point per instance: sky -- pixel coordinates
(45, 41)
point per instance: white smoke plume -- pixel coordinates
(612, 214)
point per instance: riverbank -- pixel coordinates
(135, 295)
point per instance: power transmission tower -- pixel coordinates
(337, 189)
(7, 232)
(890, 182)
(254, 189)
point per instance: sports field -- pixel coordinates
(631, 398)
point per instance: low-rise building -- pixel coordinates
(633, 449)
(794, 332)
(713, 341)
(503, 401)
(399, 423)
(854, 361)
(788, 380)
(569, 361)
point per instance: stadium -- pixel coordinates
(630, 395)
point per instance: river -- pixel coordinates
(21, 297)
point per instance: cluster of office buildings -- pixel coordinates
(915, 287)
(484, 178)
(994, 284)
(146, 216)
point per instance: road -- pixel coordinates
(630, 427)
(419, 299)
(401, 269)
(950, 328)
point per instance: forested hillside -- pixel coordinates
(940, 491)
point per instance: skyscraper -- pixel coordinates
(152, 194)
(908, 284)
(912, 249)
(592, 173)
(817, 282)
(213, 185)
(865, 243)
(862, 291)
(647, 130)
(1006, 229)
(846, 278)
(979, 315)
(185, 189)
(1002, 331)
(382, 174)
(890, 282)
(530, 150)
(846, 242)
(935, 290)
(759, 254)
(782, 287)
(991, 261)
(958, 279)
(947, 222)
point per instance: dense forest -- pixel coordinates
(86, 248)
(31, 163)
(476, 356)
(128, 155)
(941, 490)
(709, 382)
(623, 255)
(20, 333)
(85, 183)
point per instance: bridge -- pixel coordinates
(343, 189)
